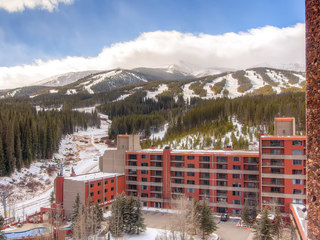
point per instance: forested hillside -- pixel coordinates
(26, 135)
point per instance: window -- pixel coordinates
(144, 164)
(106, 182)
(297, 162)
(133, 156)
(112, 197)
(106, 199)
(156, 157)
(99, 183)
(252, 160)
(112, 180)
(275, 143)
(178, 158)
(190, 182)
(144, 187)
(91, 194)
(297, 181)
(236, 159)
(236, 184)
(205, 158)
(145, 204)
(112, 189)
(237, 176)
(99, 201)
(275, 151)
(144, 156)
(99, 192)
(106, 190)
(296, 172)
(236, 211)
(144, 179)
(204, 165)
(190, 190)
(190, 174)
(238, 202)
(144, 171)
(132, 163)
(221, 159)
(236, 193)
(236, 167)
(297, 191)
(91, 185)
(297, 142)
(252, 185)
(144, 195)
(190, 157)
(296, 152)
(299, 201)
(190, 165)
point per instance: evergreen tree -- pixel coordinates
(277, 224)
(1, 226)
(207, 224)
(246, 216)
(138, 219)
(129, 215)
(98, 215)
(52, 197)
(264, 227)
(116, 219)
(76, 208)
(194, 217)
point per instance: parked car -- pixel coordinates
(224, 217)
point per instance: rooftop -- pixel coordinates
(300, 217)
(271, 137)
(93, 176)
(212, 152)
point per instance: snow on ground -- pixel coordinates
(162, 88)
(232, 86)
(188, 93)
(53, 91)
(256, 80)
(31, 188)
(153, 233)
(71, 91)
(122, 97)
(97, 79)
(161, 133)
(39, 108)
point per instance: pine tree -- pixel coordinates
(194, 217)
(98, 215)
(264, 227)
(116, 219)
(76, 208)
(52, 197)
(139, 225)
(207, 224)
(1, 226)
(245, 216)
(277, 225)
(128, 215)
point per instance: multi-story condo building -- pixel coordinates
(272, 176)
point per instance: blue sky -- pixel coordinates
(84, 27)
(40, 39)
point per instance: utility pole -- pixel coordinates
(4, 197)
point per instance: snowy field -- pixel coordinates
(30, 188)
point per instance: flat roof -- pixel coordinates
(284, 119)
(203, 152)
(300, 217)
(269, 137)
(93, 176)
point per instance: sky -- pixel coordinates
(43, 38)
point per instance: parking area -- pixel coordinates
(226, 230)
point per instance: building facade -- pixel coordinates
(273, 176)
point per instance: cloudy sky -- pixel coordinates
(42, 38)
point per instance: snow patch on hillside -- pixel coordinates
(256, 80)
(71, 91)
(152, 95)
(188, 93)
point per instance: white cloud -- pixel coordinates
(267, 46)
(21, 5)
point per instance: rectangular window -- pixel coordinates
(106, 199)
(190, 157)
(205, 159)
(297, 191)
(190, 182)
(190, 174)
(91, 194)
(297, 181)
(236, 193)
(297, 142)
(144, 171)
(298, 201)
(275, 143)
(144, 179)
(106, 182)
(99, 201)
(236, 167)
(91, 185)
(112, 189)
(190, 190)
(99, 192)
(296, 162)
(144, 195)
(144, 187)
(112, 180)
(99, 183)
(236, 211)
(145, 204)
(144, 156)
(204, 165)
(275, 151)
(237, 176)
(236, 159)
(133, 156)
(296, 152)
(156, 157)
(178, 158)
(235, 201)
(112, 197)
(190, 165)
(296, 172)
(221, 159)
(236, 184)
(144, 164)
(106, 190)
